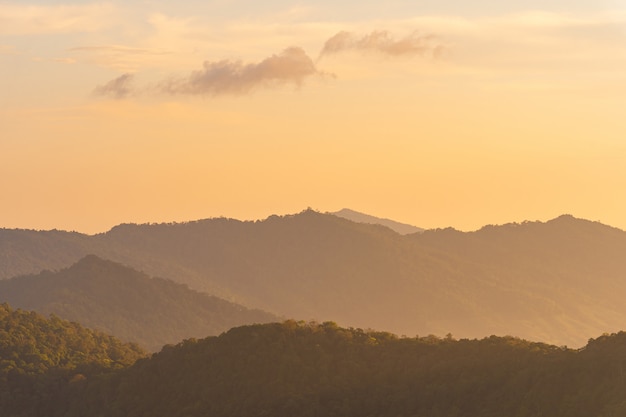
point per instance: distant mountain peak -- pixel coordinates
(568, 218)
(90, 263)
(358, 217)
(91, 259)
(120, 300)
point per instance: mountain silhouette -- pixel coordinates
(357, 217)
(559, 281)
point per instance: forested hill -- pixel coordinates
(118, 300)
(53, 368)
(41, 358)
(296, 369)
(560, 281)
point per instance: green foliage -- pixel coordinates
(53, 368)
(40, 358)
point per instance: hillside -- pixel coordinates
(357, 217)
(566, 273)
(297, 369)
(118, 300)
(41, 358)
(559, 282)
(53, 368)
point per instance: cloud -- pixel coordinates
(7, 50)
(382, 42)
(65, 60)
(20, 19)
(234, 77)
(119, 88)
(118, 49)
(119, 57)
(292, 65)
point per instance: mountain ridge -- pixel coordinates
(558, 281)
(358, 217)
(119, 300)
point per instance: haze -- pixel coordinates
(431, 113)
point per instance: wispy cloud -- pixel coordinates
(381, 41)
(235, 77)
(20, 19)
(119, 57)
(291, 66)
(118, 49)
(65, 60)
(118, 88)
(7, 50)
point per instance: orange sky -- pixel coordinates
(436, 118)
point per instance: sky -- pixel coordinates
(435, 113)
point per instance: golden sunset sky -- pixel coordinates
(435, 113)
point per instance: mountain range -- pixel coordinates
(559, 281)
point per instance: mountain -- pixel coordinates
(297, 369)
(567, 273)
(355, 216)
(31, 251)
(118, 300)
(559, 281)
(40, 359)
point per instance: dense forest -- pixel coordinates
(40, 359)
(118, 300)
(310, 369)
(559, 282)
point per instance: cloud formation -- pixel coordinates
(118, 88)
(292, 65)
(382, 42)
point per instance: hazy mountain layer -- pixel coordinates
(128, 304)
(355, 216)
(559, 282)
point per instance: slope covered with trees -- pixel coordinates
(54, 368)
(297, 369)
(118, 300)
(560, 281)
(41, 358)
